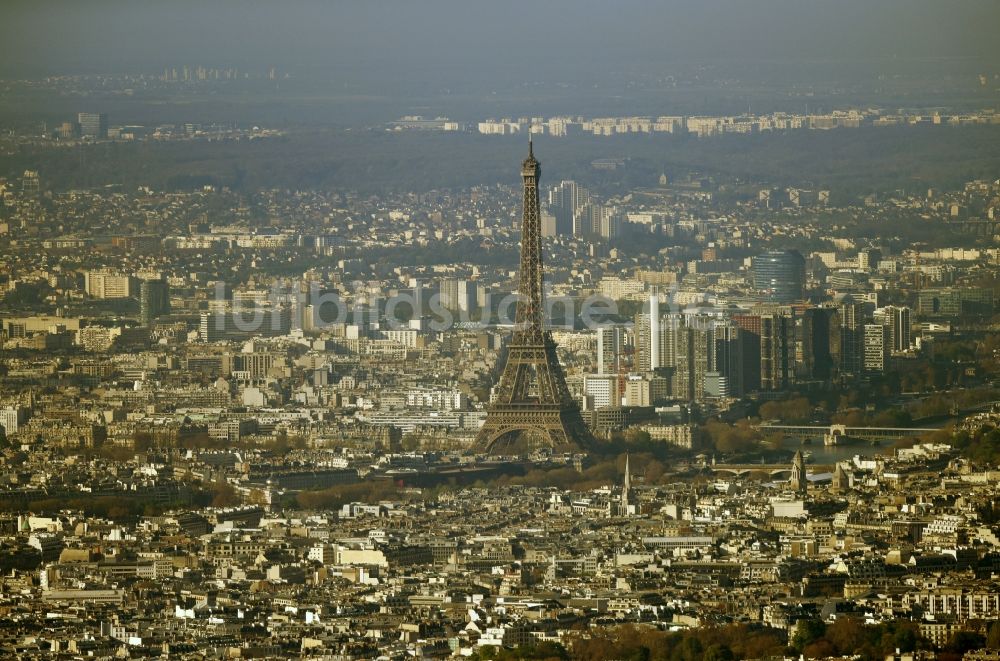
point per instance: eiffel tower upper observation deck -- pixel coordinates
(533, 407)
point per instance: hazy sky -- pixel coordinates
(461, 40)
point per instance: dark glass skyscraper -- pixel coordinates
(780, 275)
(154, 300)
(93, 124)
(817, 358)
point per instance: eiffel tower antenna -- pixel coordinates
(532, 407)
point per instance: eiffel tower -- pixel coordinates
(532, 407)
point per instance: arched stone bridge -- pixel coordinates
(740, 470)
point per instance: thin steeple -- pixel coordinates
(626, 487)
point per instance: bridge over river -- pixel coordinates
(772, 470)
(842, 434)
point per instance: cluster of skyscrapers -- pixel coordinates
(572, 211)
(703, 353)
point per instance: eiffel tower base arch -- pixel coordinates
(522, 429)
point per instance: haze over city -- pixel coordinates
(531, 330)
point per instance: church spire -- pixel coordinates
(628, 477)
(626, 488)
(798, 482)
